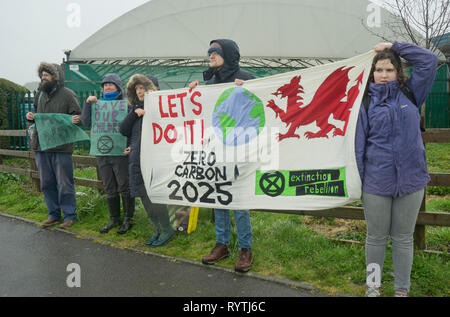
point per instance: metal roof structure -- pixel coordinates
(270, 33)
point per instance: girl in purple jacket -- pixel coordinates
(391, 159)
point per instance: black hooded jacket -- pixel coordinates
(131, 127)
(230, 70)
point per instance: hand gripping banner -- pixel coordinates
(280, 142)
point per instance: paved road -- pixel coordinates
(34, 261)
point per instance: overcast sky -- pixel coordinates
(32, 31)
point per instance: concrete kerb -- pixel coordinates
(285, 282)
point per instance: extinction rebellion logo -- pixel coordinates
(329, 182)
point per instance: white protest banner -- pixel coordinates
(279, 142)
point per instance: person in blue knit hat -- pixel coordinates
(113, 169)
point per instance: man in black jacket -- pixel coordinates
(55, 165)
(224, 67)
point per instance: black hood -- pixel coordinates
(231, 61)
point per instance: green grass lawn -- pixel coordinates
(285, 246)
(299, 248)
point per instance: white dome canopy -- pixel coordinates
(272, 29)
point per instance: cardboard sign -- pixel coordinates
(106, 117)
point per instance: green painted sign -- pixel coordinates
(326, 182)
(106, 117)
(55, 129)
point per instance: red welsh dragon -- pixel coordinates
(328, 100)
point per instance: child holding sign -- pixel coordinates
(113, 167)
(131, 127)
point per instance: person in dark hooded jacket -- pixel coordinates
(131, 127)
(113, 170)
(224, 67)
(55, 165)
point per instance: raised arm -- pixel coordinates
(424, 63)
(86, 115)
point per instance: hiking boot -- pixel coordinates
(67, 224)
(219, 252)
(49, 222)
(244, 262)
(373, 291)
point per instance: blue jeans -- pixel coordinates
(243, 227)
(56, 174)
(394, 218)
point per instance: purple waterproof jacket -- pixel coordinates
(389, 149)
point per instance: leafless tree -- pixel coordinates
(424, 22)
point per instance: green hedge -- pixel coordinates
(6, 87)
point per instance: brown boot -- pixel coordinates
(67, 224)
(244, 263)
(219, 252)
(49, 222)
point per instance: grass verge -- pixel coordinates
(292, 247)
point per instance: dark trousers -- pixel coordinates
(114, 174)
(157, 213)
(56, 174)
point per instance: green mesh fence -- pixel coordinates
(437, 104)
(18, 105)
(86, 77)
(85, 80)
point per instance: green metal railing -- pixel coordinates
(18, 104)
(85, 80)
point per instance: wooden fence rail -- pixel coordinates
(425, 218)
